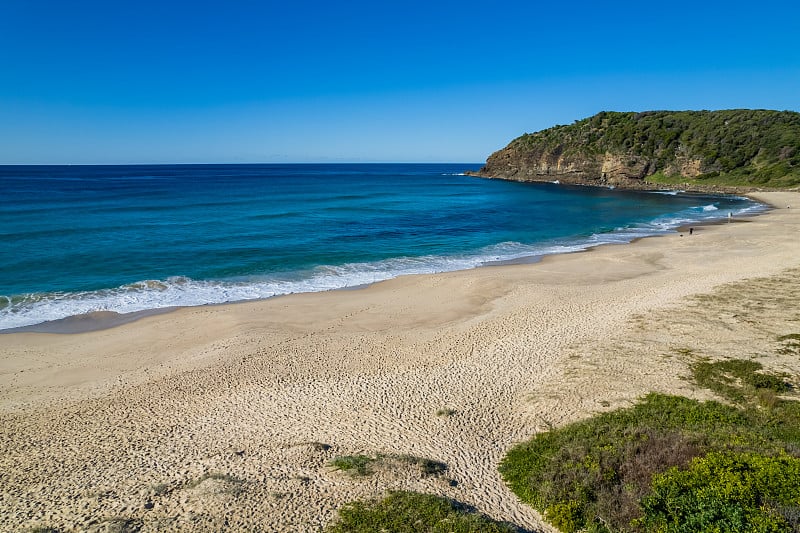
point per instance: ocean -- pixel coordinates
(81, 239)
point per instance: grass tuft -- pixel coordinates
(123, 525)
(160, 489)
(364, 465)
(737, 380)
(357, 465)
(234, 485)
(427, 467)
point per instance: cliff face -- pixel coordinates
(743, 147)
(602, 169)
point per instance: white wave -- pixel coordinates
(710, 207)
(752, 209)
(454, 174)
(185, 292)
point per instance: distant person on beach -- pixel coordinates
(691, 230)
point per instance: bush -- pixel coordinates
(566, 516)
(411, 512)
(724, 492)
(671, 464)
(593, 473)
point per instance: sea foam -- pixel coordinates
(180, 291)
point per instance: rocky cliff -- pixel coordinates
(746, 148)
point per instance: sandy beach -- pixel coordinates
(227, 417)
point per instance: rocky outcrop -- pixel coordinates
(704, 148)
(608, 169)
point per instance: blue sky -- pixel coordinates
(308, 81)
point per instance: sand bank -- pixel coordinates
(227, 416)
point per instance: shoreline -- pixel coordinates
(228, 416)
(637, 184)
(101, 320)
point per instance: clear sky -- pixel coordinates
(353, 81)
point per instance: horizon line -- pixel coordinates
(258, 163)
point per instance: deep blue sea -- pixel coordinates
(78, 239)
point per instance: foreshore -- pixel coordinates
(227, 417)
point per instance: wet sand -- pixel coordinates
(226, 417)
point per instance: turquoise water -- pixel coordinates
(78, 239)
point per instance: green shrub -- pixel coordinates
(411, 512)
(594, 472)
(566, 516)
(768, 382)
(724, 492)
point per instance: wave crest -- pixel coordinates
(29, 309)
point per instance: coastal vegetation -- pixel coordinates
(406, 511)
(412, 512)
(364, 465)
(740, 147)
(668, 464)
(672, 464)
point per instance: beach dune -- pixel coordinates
(227, 417)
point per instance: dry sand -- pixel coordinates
(226, 417)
